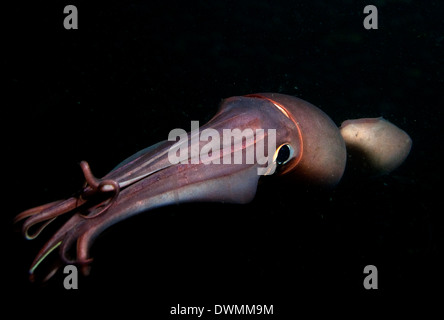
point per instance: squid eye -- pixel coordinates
(284, 154)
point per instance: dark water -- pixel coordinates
(134, 70)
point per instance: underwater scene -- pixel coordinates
(221, 159)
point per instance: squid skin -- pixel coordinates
(379, 145)
(316, 154)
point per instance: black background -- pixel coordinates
(134, 70)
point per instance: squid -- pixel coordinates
(298, 141)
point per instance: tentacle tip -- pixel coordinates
(85, 270)
(28, 237)
(84, 164)
(20, 217)
(85, 266)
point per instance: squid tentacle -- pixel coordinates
(98, 186)
(46, 216)
(55, 241)
(86, 205)
(149, 179)
(33, 211)
(46, 213)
